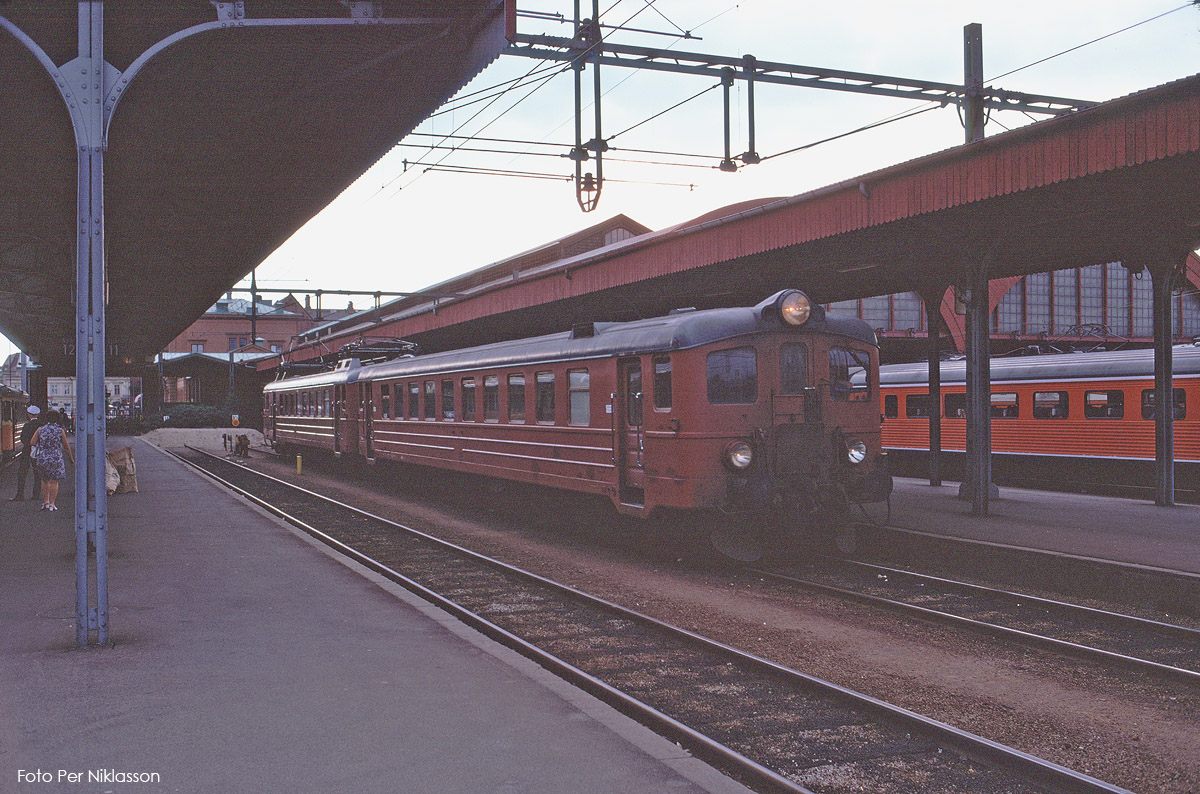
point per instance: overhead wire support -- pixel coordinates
(557, 48)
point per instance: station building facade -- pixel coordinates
(1075, 308)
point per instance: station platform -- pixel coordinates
(247, 657)
(1128, 531)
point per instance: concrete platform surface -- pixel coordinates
(247, 658)
(1100, 527)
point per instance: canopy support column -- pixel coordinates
(91, 498)
(1161, 274)
(977, 483)
(933, 324)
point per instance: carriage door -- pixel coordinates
(350, 410)
(631, 433)
(368, 421)
(339, 397)
(275, 398)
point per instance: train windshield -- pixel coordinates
(849, 374)
(793, 368)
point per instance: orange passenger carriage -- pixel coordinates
(735, 412)
(1057, 419)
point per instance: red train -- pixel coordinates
(12, 419)
(1059, 420)
(759, 410)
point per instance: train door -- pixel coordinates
(631, 434)
(339, 399)
(351, 407)
(275, 398)
(368, 422)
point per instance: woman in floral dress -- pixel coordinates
(51, 451)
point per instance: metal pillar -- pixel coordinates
(88, 71)
(977, 484)
(933, 324)
(1164, 398)
(973, 116)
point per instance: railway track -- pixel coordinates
(772, 727)
(1148, 645)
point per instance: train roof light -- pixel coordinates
(794, 307)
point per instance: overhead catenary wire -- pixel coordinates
(543, 81)
(544, 175)
(1099, 38)
(891, 120)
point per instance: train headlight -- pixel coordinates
(739, 455)
(856, 451)
(794, 307)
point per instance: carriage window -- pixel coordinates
(793, 368)
(579, 396)
(662, 382)
(1148, 397)
(916, 406)
(430, 402)
(1005, 406)
(955, 406)
(448, 400)
(304, 404)
(516, 398)
(491, 398)
(544, 399)
(468, 399)
(891, 407)
(733, 376)
(414, 401)
(385, 402)
(399, 402)
(1050, 405)
(1104, 405)
(849, 374)
(328, 403)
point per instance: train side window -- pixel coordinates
(793, 368)
(544, 397)
(414, 401)
(1050, 405)
(429, 403)
(891, 406)
(1005, 405)
(662, 383)
(579, 396)
(849, 374)
(491, 398)
(916, 406)
(304, 404)
(468, 399)
(385, 402)
(1104, 404)
(1148, 404)
(955, 406)
(733, 376)
(448, 400)
(516, 398)
(398, 401)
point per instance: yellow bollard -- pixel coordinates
(299, 465)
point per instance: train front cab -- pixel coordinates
(778, 427)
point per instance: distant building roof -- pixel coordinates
(241, 306)
(219, 357)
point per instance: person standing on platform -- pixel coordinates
(51, 451)
(33, 421)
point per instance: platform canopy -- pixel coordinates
(235, 123)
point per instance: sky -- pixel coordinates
(402, 228)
